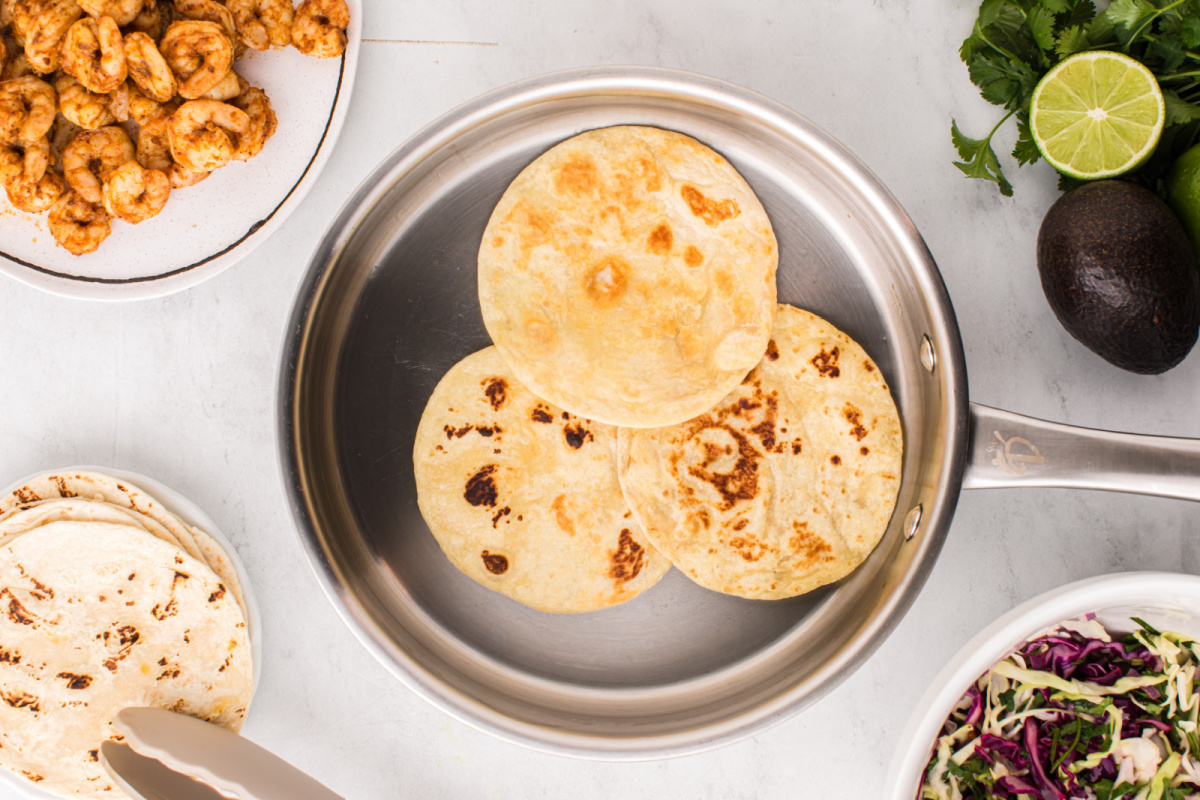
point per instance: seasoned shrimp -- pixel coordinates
(78, 225)
(142, 109)
(262, 23)
(199, 53)
(36, 196)
(86, 109)
(24, 162)
(148, 68)
(182, 177)
(60, 136)
(210, 11)
(153, 19)
(154, 145)
(44, 37)
(135, 194)
(19, 16)
(17, 65)
(204, 134)
(27, 107)
(228, 88)
(122, 11)
(319, 28)
(257, 105)
(94, 52)
(94, 155)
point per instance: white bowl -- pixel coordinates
(190, 513)
(213, 225)
(1165, 600)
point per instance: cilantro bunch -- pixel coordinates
(1016, 42)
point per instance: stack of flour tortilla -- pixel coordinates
(108, 600)
(646, 401)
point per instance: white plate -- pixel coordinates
(1165, 600)
(190, 513)
(210, 226)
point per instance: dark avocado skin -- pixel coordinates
(1120, 275)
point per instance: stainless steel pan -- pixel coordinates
(389, 304)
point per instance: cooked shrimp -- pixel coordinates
(182, 177)
(153, 19)
(199, 53)
(319, 28)
(44, 37)
(204, 134)
(148, 68)
(86, 109)
(122, 11)
(24, 162)
(36, 196)
(142, 109)
(135, 194)
(60, 136)
(154, 145)
(19, 16)
(17, 65)
(94, 52)
(262, 23)
(228, 88)
(27, 107)
(94, 155)
(78, 225)
(211, 11)
(257, 105)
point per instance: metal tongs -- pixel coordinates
(169, 756)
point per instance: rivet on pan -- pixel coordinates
(927, 356)
(911, 523)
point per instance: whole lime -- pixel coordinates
(1183, 192)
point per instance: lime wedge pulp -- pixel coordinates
(1097, 115)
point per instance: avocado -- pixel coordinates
(1118, 270)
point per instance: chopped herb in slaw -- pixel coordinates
(1074, 713)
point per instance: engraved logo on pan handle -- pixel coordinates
(1015, 454)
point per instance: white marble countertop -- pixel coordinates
(183, 388)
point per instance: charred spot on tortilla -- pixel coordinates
(481, 488)
(76, 682)
(827, 363)
(660, 239)
(496, 390)
(713, 212)
(541, 414)
(772, 350)
(576, 435)
(628, 558)
(854, 417)
(495, 563)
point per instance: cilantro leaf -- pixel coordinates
(1025, 151)
(979, 159)
(1129, 12)
(1083, 13)
(1169, 50)
(1056, 6)
(1001, 81)
(1041, 25)
(1189, 32)
(1071, 41)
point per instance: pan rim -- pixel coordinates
(295, 472)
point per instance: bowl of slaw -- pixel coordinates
(1092, 711)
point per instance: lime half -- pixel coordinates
(1097, 115)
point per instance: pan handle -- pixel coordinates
(1009, 450)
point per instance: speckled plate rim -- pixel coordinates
(190, 513)
(176, 280)
(1165, 591)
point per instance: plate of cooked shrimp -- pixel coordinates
(146, 145)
